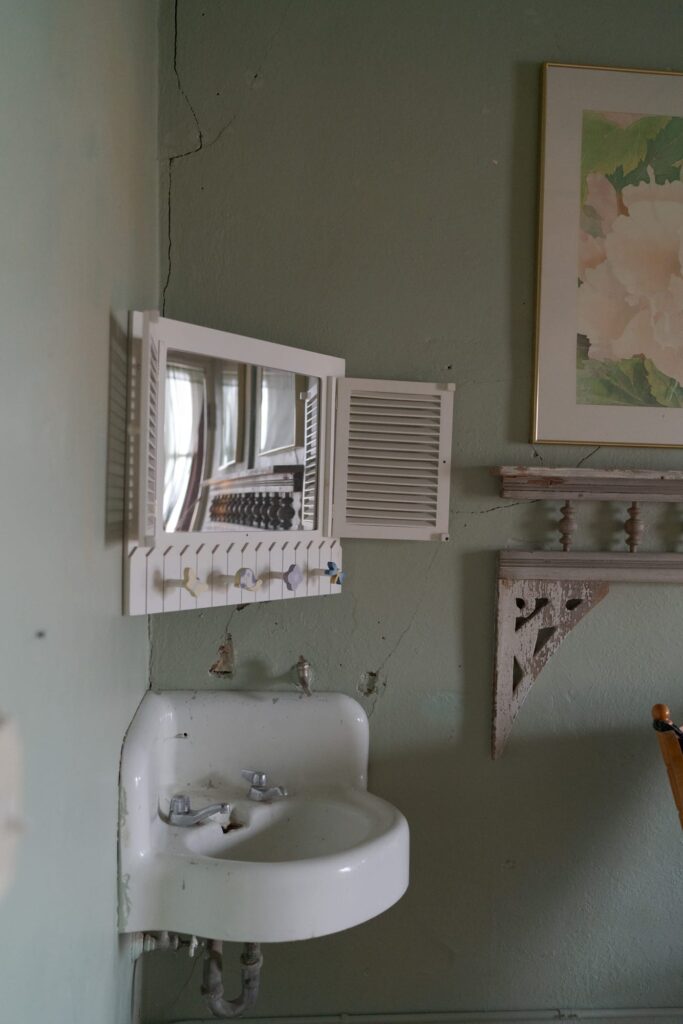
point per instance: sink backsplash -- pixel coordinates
(177, 739)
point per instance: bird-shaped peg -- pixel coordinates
(335, 573)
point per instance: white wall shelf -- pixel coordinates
(542, 595)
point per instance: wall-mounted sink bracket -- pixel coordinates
(543, 594)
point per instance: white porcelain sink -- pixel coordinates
(326, 857)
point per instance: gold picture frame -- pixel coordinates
(609, 305)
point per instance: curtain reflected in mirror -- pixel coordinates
(230, 414)
(277, 412)
(184, 424)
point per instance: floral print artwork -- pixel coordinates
(630, 298)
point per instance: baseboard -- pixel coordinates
(661, 1015)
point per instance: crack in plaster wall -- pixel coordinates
(373, 685)
(201, 144)
(587, 457)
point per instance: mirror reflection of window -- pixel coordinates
(277, 410)
(230, 414)
(236, 454)
(184, 423)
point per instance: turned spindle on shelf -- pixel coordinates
(634, 527)
(567, 525)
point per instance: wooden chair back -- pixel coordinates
(672, 752)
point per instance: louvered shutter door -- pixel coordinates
(143, 427)
(392, 459)
(309, 499)
(152, 439)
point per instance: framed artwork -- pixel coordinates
(609, 327)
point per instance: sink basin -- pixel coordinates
(311, 827)
(328, 856)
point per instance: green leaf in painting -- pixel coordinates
(665, 152)
(665, 390)
(634, 382)
(613, 383)
(606, 147)
(664, 155)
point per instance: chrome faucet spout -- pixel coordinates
(179, 812)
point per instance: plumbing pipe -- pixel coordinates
(212, 985)
(146, 942)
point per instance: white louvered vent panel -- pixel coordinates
(152, 438)
(309, 500)
(392, 459)
(132, 436)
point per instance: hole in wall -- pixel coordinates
(369, 684)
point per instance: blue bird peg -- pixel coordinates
(335, 573)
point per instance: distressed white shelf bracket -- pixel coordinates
(543, 594)
(534, 616)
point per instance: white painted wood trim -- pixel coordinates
(531, 483)
(154, 575)
(137, 426)
(212, 537)
(209, 341)
(605, 566)
(328, 420)
(159, 535)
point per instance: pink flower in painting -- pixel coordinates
(601, 198)
(631, 296)
(621, 120)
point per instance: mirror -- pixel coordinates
(240, 446)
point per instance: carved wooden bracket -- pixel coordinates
(543, 594)
(534, 617)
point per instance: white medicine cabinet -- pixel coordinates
(248, 462)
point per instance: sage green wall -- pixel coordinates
(78, 246)
(360, 178)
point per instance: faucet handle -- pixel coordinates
(179, 804)
(254, 778)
